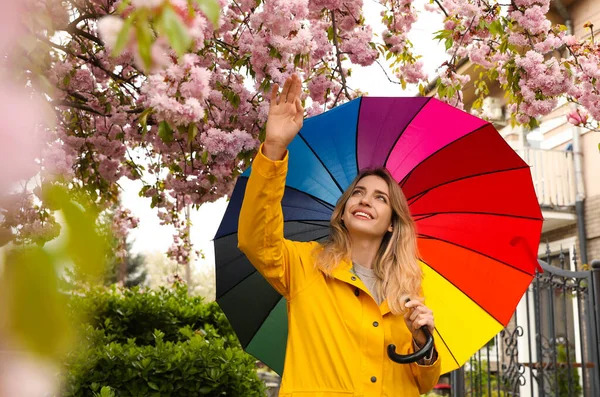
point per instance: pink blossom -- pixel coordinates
(357, 47)
(318, 86)
(218, 142)
(479, 54)
(56, 161)
(577, 117)
(523, 118)
(109, 168)
(413, 72)
(570, 40)
(327, 4)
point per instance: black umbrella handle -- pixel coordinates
(416, 356)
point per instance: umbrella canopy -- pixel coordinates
(471, 195)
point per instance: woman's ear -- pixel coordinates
(391, 228)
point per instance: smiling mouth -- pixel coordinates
(362, 215)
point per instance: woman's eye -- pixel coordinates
(382, 198)
(354, 193)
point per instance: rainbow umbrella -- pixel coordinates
(471, 195)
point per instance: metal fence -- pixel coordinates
(551, 346)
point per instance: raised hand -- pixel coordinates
(285, 119)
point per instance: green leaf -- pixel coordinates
(235, 100)
(211, 9)
(145, 38)
(496, 27)
(533, 123)
(123, 37)
(192, 132)
(165, 132)
(153, 386)
(106, 391)
(173, 28)
(330, 33)
(449, 43)
(143, 120)
(37, 313)
(503, 46)
(84, 245)
(443, 34)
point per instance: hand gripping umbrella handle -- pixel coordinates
(416, 356)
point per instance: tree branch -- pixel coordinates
(337, 55)
(74, 31)
(462, 38)
(386, 75)
(73, 25)
(80, 106)
(94, 61)
(337, 97)
(441, 7)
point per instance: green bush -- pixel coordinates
(156, 343)
(135, 313)
(482, 383)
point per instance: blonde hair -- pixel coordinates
(396, 262)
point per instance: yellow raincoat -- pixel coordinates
(337, 334)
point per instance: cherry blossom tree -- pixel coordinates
(175, 92)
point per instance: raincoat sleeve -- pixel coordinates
(287, 265)
(427, 376)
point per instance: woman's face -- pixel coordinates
(368, 211)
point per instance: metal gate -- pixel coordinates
(551, 347)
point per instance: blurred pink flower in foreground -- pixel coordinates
(25, 375)
(21, 115)
(10, 24)
(21, 112)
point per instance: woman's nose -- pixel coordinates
(364, 200)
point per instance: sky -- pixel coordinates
(150, 236)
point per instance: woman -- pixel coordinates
(346, 297)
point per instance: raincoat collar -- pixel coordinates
(343, 272)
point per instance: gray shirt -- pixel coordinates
(369, 279)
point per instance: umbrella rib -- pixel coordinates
(440, 149)
(447, 347)
(320, 201)
(430, 214)
(263, 320)
(286, 221)
(251, 273)
(243, 279)
(356, 136)
(313, 222)
(425, 236)
(303, 208)
(321, 161)
(417, 196)
(463, 292)
(404, 129)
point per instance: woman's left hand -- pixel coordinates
(417, 316)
